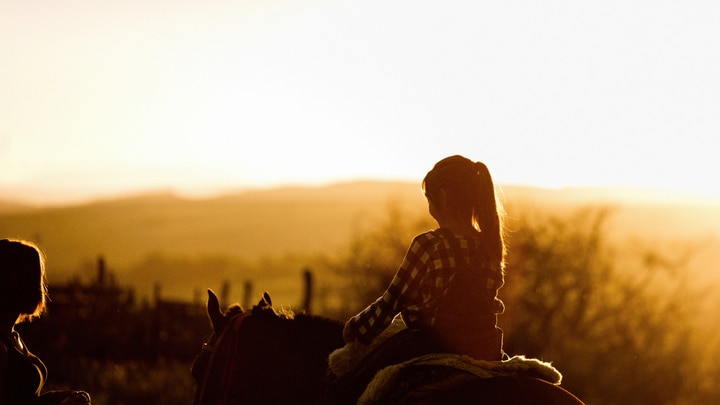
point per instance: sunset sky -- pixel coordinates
(98, 98)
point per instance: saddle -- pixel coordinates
(437, 372)
(426, 374)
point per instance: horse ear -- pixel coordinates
(213, 310)
(265, 301)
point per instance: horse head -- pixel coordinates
(246, 358)
(213, 354)
(218, 319)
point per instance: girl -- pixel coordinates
(23, 293)
(446, 287)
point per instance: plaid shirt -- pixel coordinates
(422, 279)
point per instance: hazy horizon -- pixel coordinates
(33, 198)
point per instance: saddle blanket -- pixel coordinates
(517, 366)
(343, 360)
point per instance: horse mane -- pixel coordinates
(312, 334)
(310, 330)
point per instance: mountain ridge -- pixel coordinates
(574, 194)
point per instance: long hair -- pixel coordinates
(24, 285)
(470, 193)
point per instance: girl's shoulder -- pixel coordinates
(439, 235)
(445, 239)
(433, 238)
(432, 235)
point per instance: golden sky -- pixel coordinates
(99, 98)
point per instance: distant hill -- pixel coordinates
(249, 224)
(307, 220)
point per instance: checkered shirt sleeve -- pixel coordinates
(400, 295)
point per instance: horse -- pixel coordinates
(269, 356)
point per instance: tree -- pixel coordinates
(621, 333)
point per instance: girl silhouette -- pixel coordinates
(23, 293)
(446, 287)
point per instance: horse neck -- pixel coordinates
(283, 359)
(299, 345)
(318, 334)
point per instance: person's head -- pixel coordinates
(23, 289)
(465, 190)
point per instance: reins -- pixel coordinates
(235, 321)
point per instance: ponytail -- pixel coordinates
(488, 214)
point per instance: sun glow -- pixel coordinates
(192, 97)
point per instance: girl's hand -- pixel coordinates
(347, 333)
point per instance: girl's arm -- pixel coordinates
(369, 323)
